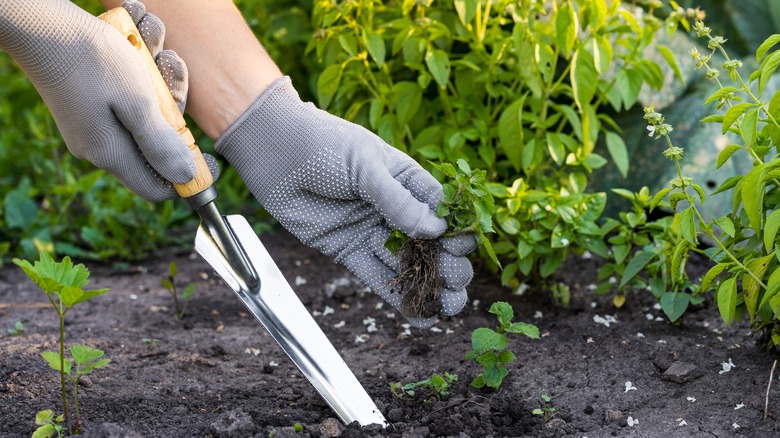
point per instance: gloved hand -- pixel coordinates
(98, 92)
(340, 188)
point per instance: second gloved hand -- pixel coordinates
(340, 188)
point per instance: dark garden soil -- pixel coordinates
(218, 374)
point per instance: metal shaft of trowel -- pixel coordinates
(203, 204)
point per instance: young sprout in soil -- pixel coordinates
(63, 284)
(546, 411)
(436, 387)
(48, 425)
(490, 347)
(17, 329)
(170, 284)
(468, 207)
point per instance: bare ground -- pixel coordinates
(218, 374)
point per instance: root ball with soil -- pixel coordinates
(419, 279)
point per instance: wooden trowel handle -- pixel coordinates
(121, 21)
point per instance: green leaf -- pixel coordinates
(20, 210)
(772, 290)
(726, 225)
(674, 304)
(484, 339)
(637, 263)
(566, 28)
(749, 127)
(523, 328)
(188, 291)
(510, 132)
(83, 354)
(726, 153)
(328, 84)
(489, 248)
(503, 311)
(618, 152)
(53, 359)
(733, 114)
(766, 45)
(466, 9)
(395, 241)
(45, 431)
(688, 226)
(95, 365)
(750, 286)
(494, 375)
(719, 94)
(659, 197)
(711, 275)
(583, 77)
(478, 382)
(771, 226)
(753, 195)
(408, 97)
(768, 67)
(727, 299)
(506, 357)
(376, 47)
(670, 59)
(439, 65)
(172, 269)
(43, 417)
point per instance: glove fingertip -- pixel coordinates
(452, 302)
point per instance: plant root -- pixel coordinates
(419, 279)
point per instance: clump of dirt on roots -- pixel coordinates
(419, 279)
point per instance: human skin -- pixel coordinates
(228, 67)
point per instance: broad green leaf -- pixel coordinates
(659, 197)
(768, 67)
(45, 431)
(489, 248)
(566, 29)
(494, 375)
(395, 241)
(771, 226)
(726, 225)
(376, 47)
(556, 148)
(510, 225)
(711, 275)
(172, 269)
(583, 77)
(670, 60)
(71, 296)
(44, 416)
(674, 304)
(766, 45)
(51, 276)
(328, 84)
(727, 299)
(407, 97)
(20, 210)
(466, 10)
(510, 132)
(53, 359)
(733, 114)
(772, 290)
(439, 65)
(688, 226)
(726, 153)
(484, 339)
(523, 328)
(774, 303)
(83, 354)
(750, 286)
(719, 94)
(508, 273)
(678, 257)
(753, 195)
(506, 357)
(95, 365)
(503, 311)
(618, 152)
(637, 263)
(749, 127)
(602, 47)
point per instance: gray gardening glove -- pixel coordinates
(99, 93)
(340, 188)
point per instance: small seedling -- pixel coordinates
(63, 284)
(546, 411)
(468, 207)
(298, 427)
(436, 387)
(490, 347)
(170, 284)
(17, 329)
(48, 425)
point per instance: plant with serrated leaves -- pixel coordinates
(64, 285)
(523, 90)
(643, 253)
(435, 387)
(490, 348)
(747, 272)
(48, 424)
(169, 283)
(468, 206)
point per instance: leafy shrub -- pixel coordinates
(746, 273)
(522, 89)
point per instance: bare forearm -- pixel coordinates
(228, 68)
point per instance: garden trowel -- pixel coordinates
(231, 247)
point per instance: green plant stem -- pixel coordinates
(63, 387)
(76, 405)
